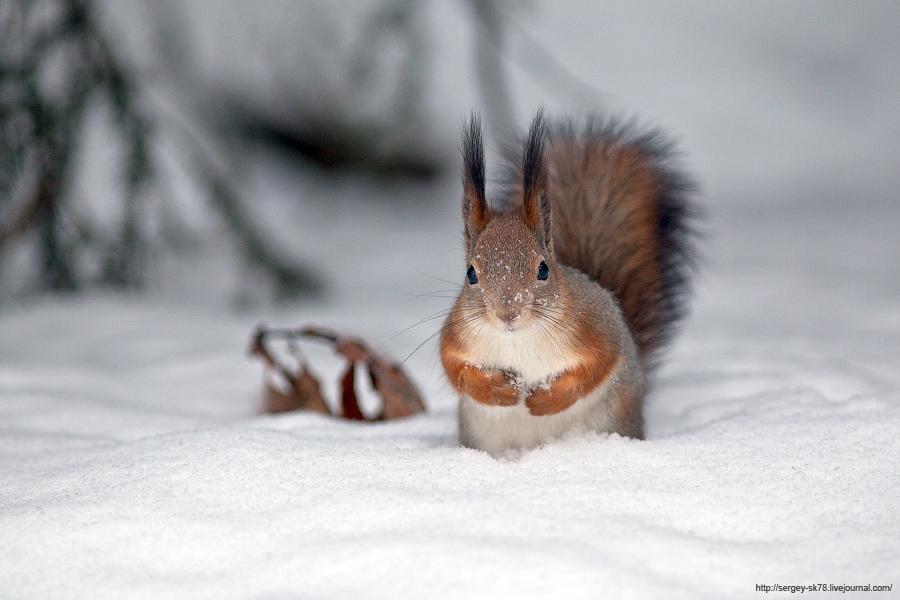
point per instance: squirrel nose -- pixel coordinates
(508, 314)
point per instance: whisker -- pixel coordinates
(456, 284)
(436, 294)
(428, 339)
(437, 315)
(462, 319)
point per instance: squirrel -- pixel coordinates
(574, 284)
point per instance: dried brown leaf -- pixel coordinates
(399, 396)
(309, 389)
(349, 405)
(277, 401)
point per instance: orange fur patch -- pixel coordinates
(491, 387)
(597, 358)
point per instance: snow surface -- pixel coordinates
(133, 463)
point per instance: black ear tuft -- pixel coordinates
(535, 202)
(475, 211)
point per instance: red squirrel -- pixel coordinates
(573, 284)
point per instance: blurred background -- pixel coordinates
(264, 151)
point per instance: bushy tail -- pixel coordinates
(622, 214)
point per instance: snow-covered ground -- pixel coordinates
(133, 462)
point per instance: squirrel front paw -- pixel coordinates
(544, 401)
(494, 388)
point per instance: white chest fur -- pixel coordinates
(532, 352)
(499, 430)
(537, 357)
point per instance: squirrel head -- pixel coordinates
(511, 275)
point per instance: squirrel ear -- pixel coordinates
(535, 201)
(475, 210)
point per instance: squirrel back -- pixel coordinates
(622, 216)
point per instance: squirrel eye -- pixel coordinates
(471, 276)
(543, 271)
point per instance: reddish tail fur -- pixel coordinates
(621, 215)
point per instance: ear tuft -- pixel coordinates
(535, 202)
(475, 210)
